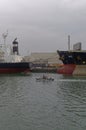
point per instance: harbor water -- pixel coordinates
(27, 104)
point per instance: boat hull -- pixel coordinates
(14, 68)
(66, 69)
(72, 70)
(46, 79)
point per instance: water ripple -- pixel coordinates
(28, 105)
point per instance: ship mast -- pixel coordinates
(68, 42)
(4, 35)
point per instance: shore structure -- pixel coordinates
(44, 61)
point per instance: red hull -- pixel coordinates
(66, 69)
(13, 70)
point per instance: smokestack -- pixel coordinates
(68, 42)
(15, 47)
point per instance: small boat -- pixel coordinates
(44, 78)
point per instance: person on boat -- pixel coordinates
(45, 77)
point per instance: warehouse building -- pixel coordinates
(44, 59)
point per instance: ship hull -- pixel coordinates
(72, 70)
(74, 62)
(66, 69)
(14, 68)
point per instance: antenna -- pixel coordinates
(4, 35)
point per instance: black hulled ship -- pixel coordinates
(74, 61)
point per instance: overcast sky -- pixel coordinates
(43, 25)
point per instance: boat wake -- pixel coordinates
(72, 80)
